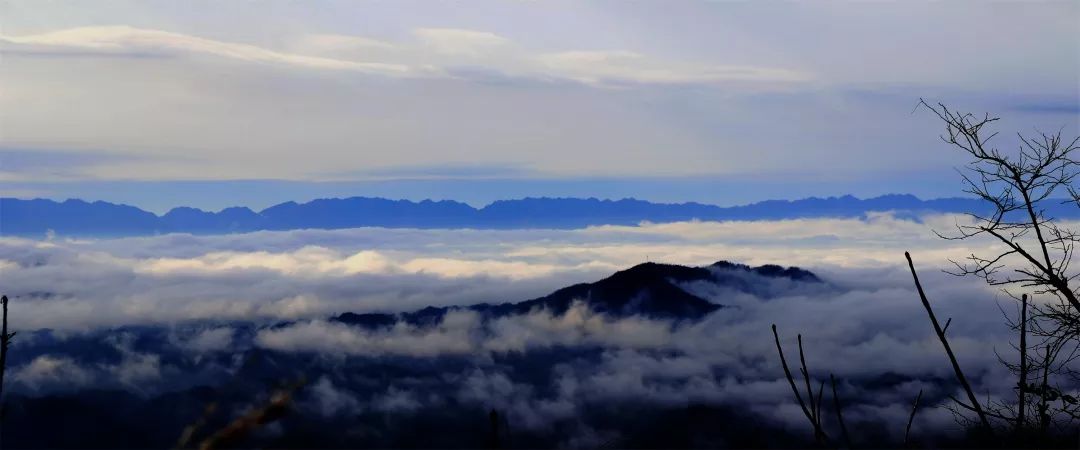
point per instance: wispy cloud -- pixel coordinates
(124, 40)
(37, 164)
(602, 67)
(434, 53)
(459, 42)
(717, 90)
(438, 172)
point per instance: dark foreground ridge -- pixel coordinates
(651, 290)
(80, 218)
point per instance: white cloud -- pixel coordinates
(129, 40)
(459, 42)
(462, 46)
(700, 92)
(451, 336)
(459, 334)
(46, 370)
(329, 400)
(135, 371)
(316, 273)
(868, 310)
(356, 97)
(339, 43)
(603, 67)
(496, 390)
(578, 326)
(208, 340)
(397, 400)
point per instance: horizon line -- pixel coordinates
(484, 206)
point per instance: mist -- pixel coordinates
(166, 314)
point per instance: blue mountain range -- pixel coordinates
(19, 217)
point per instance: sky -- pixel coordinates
(214, 104)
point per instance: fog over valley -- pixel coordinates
(168, 315)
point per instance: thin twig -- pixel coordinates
(911, 418)
(787, 373)
(840, 413)
(1022, 384)
(818, 433)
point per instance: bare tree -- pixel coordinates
(1018, 187)
(1022, 189)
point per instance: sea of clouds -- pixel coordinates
(64, 283)
(210, 299)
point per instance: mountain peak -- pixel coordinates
(654, 290)
(769, 270)
(662, 270)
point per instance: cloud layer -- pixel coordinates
(65, 283)
(166, 313)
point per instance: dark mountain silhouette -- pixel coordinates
(80, 218)
(650, 289)
(646, 289)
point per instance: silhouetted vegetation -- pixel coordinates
(812, 406)
(1033, 269)
(5, 342)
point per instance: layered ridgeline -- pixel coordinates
(81, 218)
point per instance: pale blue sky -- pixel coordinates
(219, 103)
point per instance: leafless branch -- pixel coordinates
(819, 434)
(911, 418)
(840, 413)
(948, 349)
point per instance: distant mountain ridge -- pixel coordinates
(20, 217)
